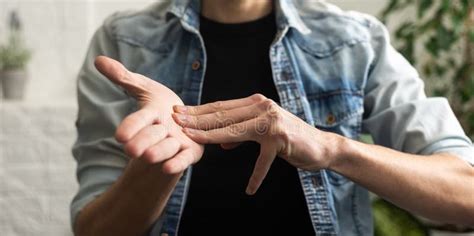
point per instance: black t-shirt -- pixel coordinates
(238, 65)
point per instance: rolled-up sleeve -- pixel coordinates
(398, 114)
(102, 105)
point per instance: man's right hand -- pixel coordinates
(150, 133)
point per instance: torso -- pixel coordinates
(217, 203)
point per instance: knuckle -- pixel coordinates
(274, 116)
(191, 110)
(157, 130)
(121, 136)
(174, 142)
(258, 97)
(275, 119)
(269, 105)
(272, 106)
(216, 105)
(263, 105)
(272, 111)
(150, 154)
(131, 149)
(222, 118)
(124, 76)
(202, 124)
(235, 130)
(269, 102)
(221, 115)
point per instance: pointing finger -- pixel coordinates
(235, 133)
(219, 119)
(220, 105)
(262, 166)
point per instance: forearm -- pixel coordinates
(131, 205)
(439, 187)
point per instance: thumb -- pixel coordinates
(134, 84)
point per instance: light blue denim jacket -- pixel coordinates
(336, 70)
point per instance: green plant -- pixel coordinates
(393, 221)
(438, 37)
(14, 54)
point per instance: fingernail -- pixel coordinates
(182, 118)
(249, 191)
(180, 109)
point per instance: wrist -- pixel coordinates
(342, 150)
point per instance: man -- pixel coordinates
(287, 87)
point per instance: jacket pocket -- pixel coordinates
(338, 111)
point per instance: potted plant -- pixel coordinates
(439, 39)
(14, 57)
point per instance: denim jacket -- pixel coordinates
(335, 70)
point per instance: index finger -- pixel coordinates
(234, 133)
(219, 106)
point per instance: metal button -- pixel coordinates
(196, 65)
(315, 181)
(330, 119)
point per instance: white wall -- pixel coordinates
(37, 178)
(58, 31)
(373, 7)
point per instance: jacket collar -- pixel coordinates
(287, 15)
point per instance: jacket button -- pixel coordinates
(196, 65)
(330, 119)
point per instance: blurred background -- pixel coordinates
(43, 44)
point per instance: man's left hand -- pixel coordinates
(257, 118)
